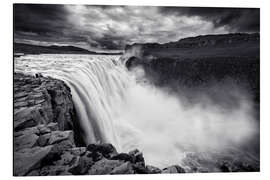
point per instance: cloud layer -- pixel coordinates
(112, 27)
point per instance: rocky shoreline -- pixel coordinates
(46, 141)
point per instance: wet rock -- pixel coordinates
(34, 173)
(25, 141)
(27, 131)
(63, 146)
(57, 136)
(138, 156)
(125, 168)
(53, 126)
(123, 156)
(29, 159)
(54, 170)
(66, 159)
(43, 129)
(77, 151)
(82, 166)
(44, 139)
(107, 150)
(173, 169)
(153, 170)
(24, 118)
(139, 168)
(96, 156)
(104, 166)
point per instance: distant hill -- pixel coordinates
(35, 49)
(224, 45)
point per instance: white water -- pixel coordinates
(113, 107)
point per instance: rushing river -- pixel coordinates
(112, 106)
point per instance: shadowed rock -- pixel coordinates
(104, 166)
(107, 150)
(173, 169)
(29, 159)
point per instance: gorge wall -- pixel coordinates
(195, 63)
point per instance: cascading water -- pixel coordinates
(97, 85)
(112, 106)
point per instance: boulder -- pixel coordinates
(24, 118)
(57, 136)
(43, 129)
(25, 141)
(52, 126)
(77, 151)
(64, 145)
(140, 168)
(123, 157)
(29, 159)
(104, 166)
(34, 173)
(27, 131)
(153, 170)
(44, 139)
(137, 156)
(125, 168)
(106, 149)
(66, 159)
(173, 169)
(54, 170)
(82, 166)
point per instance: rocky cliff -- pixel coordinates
(46, 138)
(200, 62)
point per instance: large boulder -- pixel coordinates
(173, 169)
(104, 166)
(25, 141)
(29, 159)
(125, 168)
(54, 170)
(83, 165)
(106, 149)
(153, 170)
(57, 136)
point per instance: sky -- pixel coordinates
(107, 28)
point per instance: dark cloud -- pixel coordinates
(236, 19)
(112, 27)
(39, 18)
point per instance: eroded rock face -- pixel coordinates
(41, 100)
(43, 122)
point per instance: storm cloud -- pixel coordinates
(235, 19)
(112, 27)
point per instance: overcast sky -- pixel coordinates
(112, 27)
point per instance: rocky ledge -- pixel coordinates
(45, 138)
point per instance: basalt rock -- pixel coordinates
(173, 169)
(41, 100)
(107, 150)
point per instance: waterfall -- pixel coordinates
(97, 85)
(112, 106)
